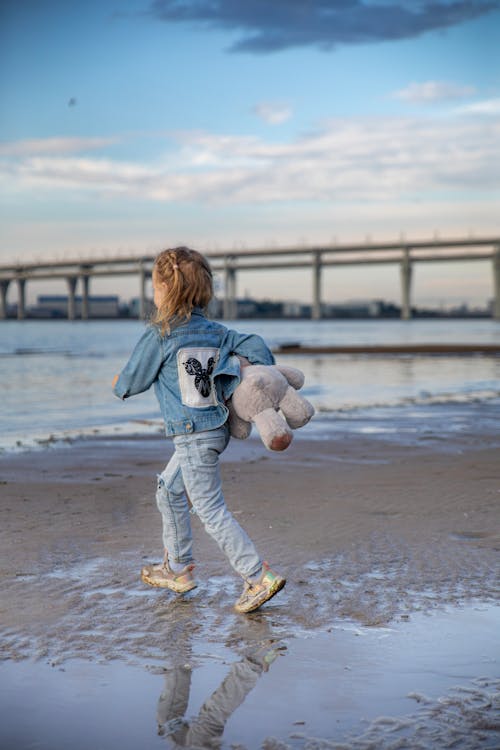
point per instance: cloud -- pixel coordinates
(377, 161)
(273, 113)
(54, 146)
(271, 26)
(484, 107)
(433, 91)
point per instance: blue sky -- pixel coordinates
(135, 125)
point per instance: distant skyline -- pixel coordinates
(132, 125)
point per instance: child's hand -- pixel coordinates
(115, 380)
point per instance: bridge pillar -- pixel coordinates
(496, 283)
(406, 273)
(85, 292)
(21, 298)
(142, 292)
(4, 288)
(71, 282)
(316, 304)
(230, 303)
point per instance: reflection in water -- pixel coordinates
(207, 728)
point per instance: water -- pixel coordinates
(430, 682)
(56, 376)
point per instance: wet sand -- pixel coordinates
(378, 542)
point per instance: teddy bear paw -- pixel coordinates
(280, 442)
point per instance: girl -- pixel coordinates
(193, 365)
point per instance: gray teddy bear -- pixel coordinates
(267, 397)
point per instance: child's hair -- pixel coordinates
(188, 279)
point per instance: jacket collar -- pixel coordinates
(198, 311)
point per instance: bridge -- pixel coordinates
(232, 262)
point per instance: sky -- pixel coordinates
(127, 126)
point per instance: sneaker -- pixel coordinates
(263, 656)
(163, 576)
(257, 592)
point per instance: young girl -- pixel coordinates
(192, 363)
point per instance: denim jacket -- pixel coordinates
(194, 371)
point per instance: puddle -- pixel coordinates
(472, 535)
(338, 683)
(425, 682)
(78, 571)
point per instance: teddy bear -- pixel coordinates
(267, 397)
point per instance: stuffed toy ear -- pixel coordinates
(294, 377)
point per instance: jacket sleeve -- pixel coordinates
(251, 346)
(141, 370)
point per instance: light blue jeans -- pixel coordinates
(194, 469)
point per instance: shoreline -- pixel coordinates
(452, 417)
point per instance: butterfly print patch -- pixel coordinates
(201, 374)
(195, 368)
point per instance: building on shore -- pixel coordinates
(133, 309)
(56, 306)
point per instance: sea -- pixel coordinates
(56, 380)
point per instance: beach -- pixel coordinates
(385, 630)
(383, 515)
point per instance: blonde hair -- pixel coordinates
(188, 284)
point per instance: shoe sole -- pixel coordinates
(272, 591)
(182, 589)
